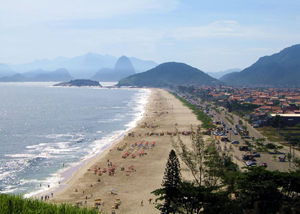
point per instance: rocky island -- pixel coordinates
(79, 83)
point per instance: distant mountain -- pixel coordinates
(280, 69)
(5, 70)
(142, 65)
(14, 78)
(123, 68)
(40, 76)
(219, 74)
(228, 76)
(84, 66)
(168, 74)
(105, 75)
(32, 74)
(61, 74)
(79, 83)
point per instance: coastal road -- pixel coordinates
(273, 163)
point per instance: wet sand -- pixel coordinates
(142, 174)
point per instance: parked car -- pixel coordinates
(264, 164)
(250, 163)
(235, 142)
(255, 154)
(247, 136)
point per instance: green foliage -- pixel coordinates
(169, 194)
(204, 118)
(79, 82)
(229, 120)
(16, 204)
(169, 73)
(242, 108)
(280, 69)
(278, 122)
(259, 187)
(195, 157)
(271, 146)
(241, 122)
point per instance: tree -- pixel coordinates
(170, 192)
(193, 158)
(278, 122)
(259, 190)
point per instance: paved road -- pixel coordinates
(273, 164)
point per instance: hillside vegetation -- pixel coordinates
(169, 73)
(280, 69)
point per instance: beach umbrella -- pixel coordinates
(112, 189)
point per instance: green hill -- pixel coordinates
(169, 73)
(79, 83)
(280, 69)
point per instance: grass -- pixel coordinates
(229, 120)
(271, 134)
(15, 204)
(204, 118)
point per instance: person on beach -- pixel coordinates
(142, 203)
(150, 199)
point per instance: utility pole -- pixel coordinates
(290, 154)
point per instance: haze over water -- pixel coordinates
(43, 127)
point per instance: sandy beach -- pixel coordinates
(144, 165)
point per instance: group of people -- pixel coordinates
(46, 197)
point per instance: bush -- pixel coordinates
(17, 204)
(271, 146)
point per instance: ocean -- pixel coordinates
(47, 130)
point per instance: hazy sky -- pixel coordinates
(210, 35)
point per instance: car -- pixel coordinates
(235, 142)
(256, 155)
(264, 164)
(250, 163)
(247, 136)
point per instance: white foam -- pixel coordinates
(137, 103)
(5, 174)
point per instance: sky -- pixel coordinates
(211, 35)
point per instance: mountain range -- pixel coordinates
(123, 68)
(169, 73)
(39, 76)
(88, 66)
(279, 70)
(84, 66)
(220, 74)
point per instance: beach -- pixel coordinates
(129, 180)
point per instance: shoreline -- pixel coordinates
(66, 175)
(161, 114)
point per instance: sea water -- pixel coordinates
(46, 130)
